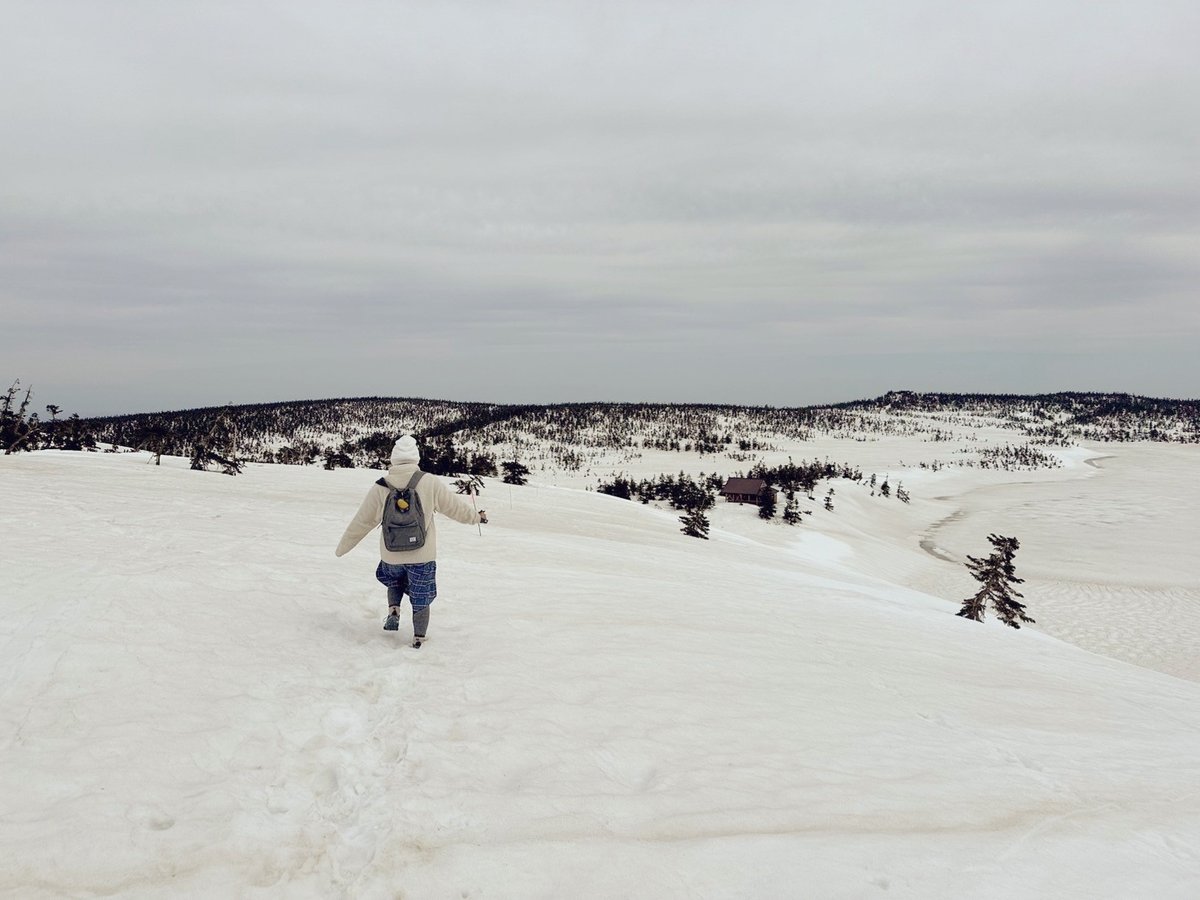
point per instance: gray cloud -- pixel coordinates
(762, 202)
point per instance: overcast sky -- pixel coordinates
(749, 202)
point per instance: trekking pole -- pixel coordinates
(478, 525)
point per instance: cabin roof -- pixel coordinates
(743, 486)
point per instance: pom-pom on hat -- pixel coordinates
(406, 451)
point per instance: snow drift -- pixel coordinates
(198, 700)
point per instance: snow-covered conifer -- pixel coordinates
(791, 511)
(766, 502)
(514, 472)
(695, 524)
(996, 575)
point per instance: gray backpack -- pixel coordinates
(403, 519)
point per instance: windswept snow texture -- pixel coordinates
(199, 699)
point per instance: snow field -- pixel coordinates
(199, 700)
(1107, 551)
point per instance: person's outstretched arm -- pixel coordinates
(366, 520)
(455, 506)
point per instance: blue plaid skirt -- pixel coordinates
(418, 580)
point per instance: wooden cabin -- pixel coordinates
(743, 490)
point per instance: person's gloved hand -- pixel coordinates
(483, 517)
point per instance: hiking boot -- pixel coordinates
(392, 622)
(418, 640)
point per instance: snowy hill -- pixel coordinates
(572, 437)
(198, 699)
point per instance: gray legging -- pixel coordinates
(418, 581)
(420, 621)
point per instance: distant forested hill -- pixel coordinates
(1062, 416)
(360, 431)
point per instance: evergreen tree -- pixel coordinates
(483, 464)
(72, 434)
(618, 487)
(376, 448)
(444, 458)
(471, 484)
(695, 524)
(199, 456)
(686, 494)
(218, 446)
(155, 438)
(901, 493)
(996, 575)
(514, 472)
(50, 438)
(16, 428)
(767, 506)
(335, 459)
(791, 511)
(829, 500)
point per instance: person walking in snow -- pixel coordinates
(412, 572)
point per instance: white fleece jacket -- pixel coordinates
(436, 497)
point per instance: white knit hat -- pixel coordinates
(406, 451)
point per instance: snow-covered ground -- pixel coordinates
(197, 698)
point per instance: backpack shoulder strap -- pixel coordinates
(382, 482)
(412, 482)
